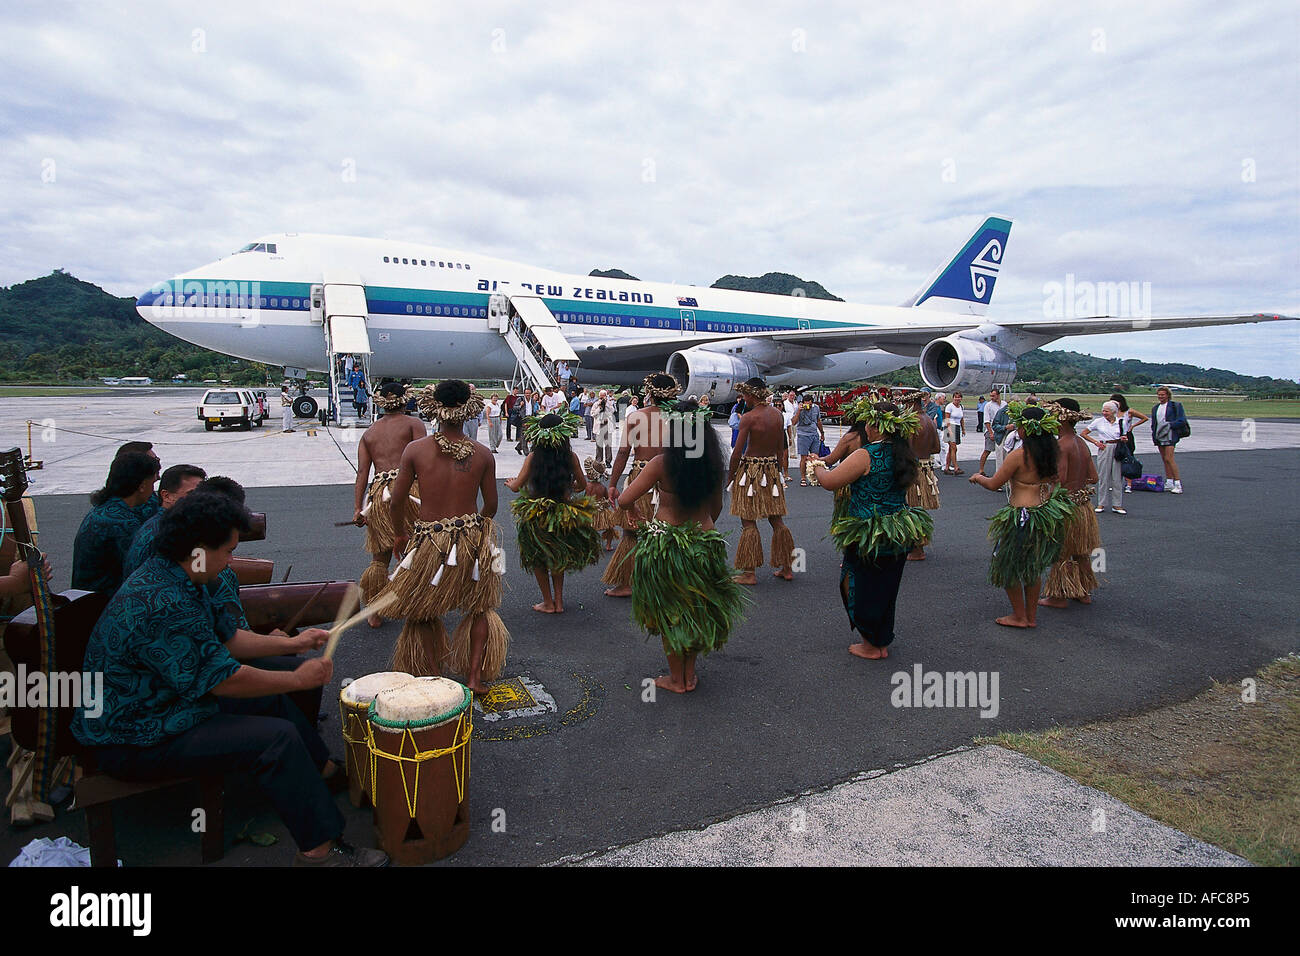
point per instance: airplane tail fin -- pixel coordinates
(965, 284)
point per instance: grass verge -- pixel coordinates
(1217, 767)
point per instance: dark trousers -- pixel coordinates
(267, 737)
(308, 701)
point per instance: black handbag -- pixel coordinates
(1130, 467)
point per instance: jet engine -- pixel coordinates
(717, 373)
(955, 364)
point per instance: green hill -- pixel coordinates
(58, 329)
(775, 283)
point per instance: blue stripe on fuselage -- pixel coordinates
(382, 300)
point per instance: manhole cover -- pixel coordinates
(514, 697)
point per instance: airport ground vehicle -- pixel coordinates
(237, 407)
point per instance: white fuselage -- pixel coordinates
(427, 312)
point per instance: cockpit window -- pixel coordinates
(270, 247)
(258, 247)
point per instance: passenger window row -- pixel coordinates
(437, 264)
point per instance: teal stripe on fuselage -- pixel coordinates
(393, 300)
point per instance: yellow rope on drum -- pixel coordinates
(464, 729)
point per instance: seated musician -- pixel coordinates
(104, 538)
(178, 701)
(153, 504)
(176, 482)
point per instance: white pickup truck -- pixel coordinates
(237, 407)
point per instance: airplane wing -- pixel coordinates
(805, 346)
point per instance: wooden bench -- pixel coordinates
(96, 792)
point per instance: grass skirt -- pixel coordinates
(378, 512)
(606, 519)
(1026, 541)
(555, 535)
(925, 492)
(759, 489)
(683, 587)
(618, 574)
(882, 534)
(1072, 576)
(452, 564)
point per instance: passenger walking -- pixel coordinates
(1104, 432)
(286, 407)
(494, 411)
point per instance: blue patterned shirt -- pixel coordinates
(100, 550)
(224, 591)
(157, 647)
(141, 546)
(150, 507)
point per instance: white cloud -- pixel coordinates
(805, 141)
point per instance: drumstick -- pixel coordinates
(336, 632)
(286, 574)
(351, 599)
(293, 621)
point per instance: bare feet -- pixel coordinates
(375, 620)
(785, 573)
(917, 555)
(666, 682)
(688, 673)
(618, 592)
(746, 578)
(1053, 602)
(477, 686)
(1086, 599)
(544, 608)
(559, 608)
(1012, 621)
(868, 651)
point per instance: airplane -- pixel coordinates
(420, 311)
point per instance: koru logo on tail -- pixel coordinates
(985, 266)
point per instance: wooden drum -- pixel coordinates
(354, 714)
(418, 736)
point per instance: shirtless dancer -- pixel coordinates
(644, 436)
(759, 456)
(1027, 533)
(925, 443)
(454, 562)
(381, 448)
(684, 590)
(1072, 576)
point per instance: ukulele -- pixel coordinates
(30, 640)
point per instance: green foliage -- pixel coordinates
(60, 329)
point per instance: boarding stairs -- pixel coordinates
(534, 337)
(339, 305)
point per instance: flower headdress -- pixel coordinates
(454, 414)
(1049, 424)
(1066, 416)
(554, 436)
(904, 424)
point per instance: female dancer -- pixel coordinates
(682, 587)
(877, 528)
(556, 532)
(1027, 533)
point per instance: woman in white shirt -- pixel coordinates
(1104, 432)
(952, 427)
(1129, 419)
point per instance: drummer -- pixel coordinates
(179, 702)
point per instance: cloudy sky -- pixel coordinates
(854, 144)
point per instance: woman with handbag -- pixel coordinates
(1104, 432)
(1168, 424)
(1128, 420)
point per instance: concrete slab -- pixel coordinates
(975, 807)
(76, 437)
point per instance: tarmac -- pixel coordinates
(784, 719)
